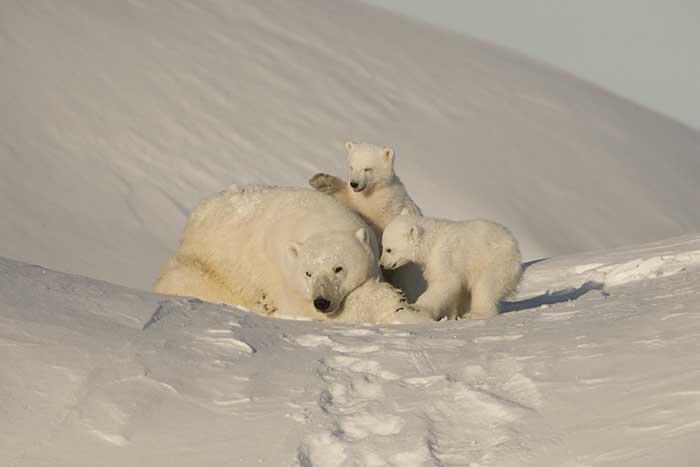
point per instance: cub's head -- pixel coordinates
(400, 241)
(329, 265)
(368, 166)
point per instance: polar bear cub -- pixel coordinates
(373, 189)
(471, 264)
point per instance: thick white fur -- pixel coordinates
(468, 265)
(379, 197)
(253, 245)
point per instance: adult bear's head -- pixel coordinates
(329, 265)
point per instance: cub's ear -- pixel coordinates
(349, 146)
(404, 212)
(363, 236)
(388, 154)
(415, 233)
(294, 249)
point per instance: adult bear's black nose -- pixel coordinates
(321, 304)
(354, 184)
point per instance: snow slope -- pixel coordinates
(604, 374)
(118, 117)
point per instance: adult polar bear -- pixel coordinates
(282, 251)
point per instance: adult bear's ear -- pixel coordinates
(388, 154)
(294, 249)
(349, 146)
(363, 236)
(415, 233)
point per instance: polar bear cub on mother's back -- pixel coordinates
(373, 188)
(468, 265)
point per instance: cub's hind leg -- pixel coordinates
(442, 299)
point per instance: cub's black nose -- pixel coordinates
(321, 304)
(354, 184)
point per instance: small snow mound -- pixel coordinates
(363, 425)
(312, 340)
(649, 268)
(228, 343)
(568, 278)
(501, 338)
(360, 365)
(586, 267)
(322, 450)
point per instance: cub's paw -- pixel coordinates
(326, 183)
(480, 314)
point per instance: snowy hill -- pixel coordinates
(595, 375)
(119, 117)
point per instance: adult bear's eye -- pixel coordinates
(338, 269)
(308, 274)
(368, 170)
(388, 250)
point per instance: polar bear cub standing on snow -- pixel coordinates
(373, 189)
(471, 264)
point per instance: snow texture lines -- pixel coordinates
(455, 417)
(353, 398)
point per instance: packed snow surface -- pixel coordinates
(119, 117)
(595, 364)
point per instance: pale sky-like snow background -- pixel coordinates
(121, 121)
(644, 50)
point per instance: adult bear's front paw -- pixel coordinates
(411, 314)
(264, 305)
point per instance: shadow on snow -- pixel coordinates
(551, 298)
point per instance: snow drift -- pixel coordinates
(598, 367)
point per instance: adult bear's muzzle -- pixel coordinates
(322, 304)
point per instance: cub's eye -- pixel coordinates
(388, 250)
(308, 274)
(368, 170)
(337, 269)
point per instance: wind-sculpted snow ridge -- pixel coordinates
(550, 280)
(603, 375)
(118, 118)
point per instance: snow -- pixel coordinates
(606, 376)
(118, 118)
